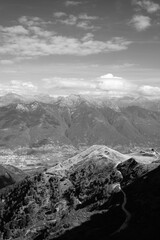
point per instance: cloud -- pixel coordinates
(84, 16)
(67, 83)
(32, 21)
(88, 37)
(109, 76)
(118, 44)
(72, 3)
(149, 90)
(140, 22)
(59, 14)
(19, 87)
(147, 5)
(83, 20)
(59, 45)
(118, 87)
(23, 85)
(36, 40)
(67, 86)
(70, 20)
(106, 84)
(86, 26)
(15, 30)
(39, 32)
(109, 82)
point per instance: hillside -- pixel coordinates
(81, 197)
(27, 124)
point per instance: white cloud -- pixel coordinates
(140, 22)
(119, 87)
(109, 82)
(84, 16)
(86, 26)
(70, 20)
(68, 86)
(15, 30)
(81, 21)
(59, 14)
(58, 45)
(38, 31)
(149, 90)
(109, 76)
(88, 37)
(72, 3)
(110, 85)
(118, 44)
(19, 87)
(148, 5)
(41, 42)
(32, 21)
(70, 83)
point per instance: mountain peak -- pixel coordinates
(95, 153)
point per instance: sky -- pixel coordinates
(90, 47)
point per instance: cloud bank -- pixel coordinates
(108, 84)
(105, 85)
(32, 39)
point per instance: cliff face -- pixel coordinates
(76, 196)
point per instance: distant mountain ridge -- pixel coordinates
(126, 101)
(11, 98)
(78, 120)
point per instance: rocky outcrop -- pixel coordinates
(132, 170)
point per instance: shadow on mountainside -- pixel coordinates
(100, 225)
(143, 202)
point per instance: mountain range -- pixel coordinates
(78, 120)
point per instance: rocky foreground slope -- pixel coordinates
(80, 198)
